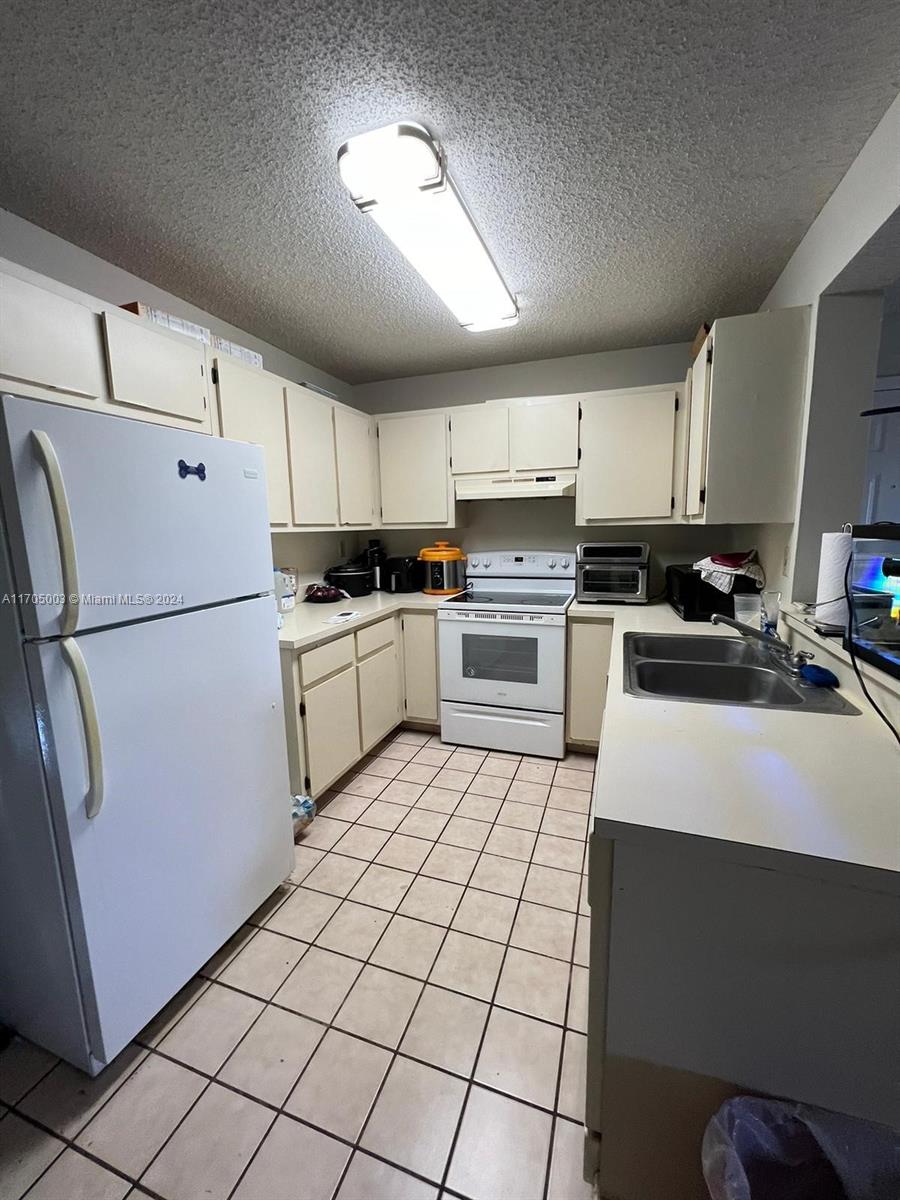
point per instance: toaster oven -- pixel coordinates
(613, 572)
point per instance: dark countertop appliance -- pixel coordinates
(404, 573)
(695, 600)
(874, 582)
(354, 579)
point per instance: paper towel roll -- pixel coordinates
(833, 557)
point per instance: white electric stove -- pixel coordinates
(503, 652)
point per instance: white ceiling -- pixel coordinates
(634, 168)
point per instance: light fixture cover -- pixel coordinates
(398, 176)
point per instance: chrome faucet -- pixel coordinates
(794, 660)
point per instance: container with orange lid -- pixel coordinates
(445, 569)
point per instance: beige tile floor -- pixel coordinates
(404, 1020)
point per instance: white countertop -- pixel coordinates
(811, 784)
(308, 624)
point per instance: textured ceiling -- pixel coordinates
(633, 167)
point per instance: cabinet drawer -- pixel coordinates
(373, 637)
(316, 664)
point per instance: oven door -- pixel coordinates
(511, 661)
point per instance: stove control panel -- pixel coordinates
(526, 564)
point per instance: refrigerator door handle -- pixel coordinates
(65, 534)
(93, 800)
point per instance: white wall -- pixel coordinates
(862, 202)
(547, 377)
(35, 248)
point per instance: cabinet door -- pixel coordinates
(420, 666)
(479, 439)
(628, 454)
(331, 726)
(49, 340)
(379, 696)
(310, 431)
(353, 455)
(589, 647)
(698, 424)
(413, 463)
(543, 434)
(149, 369)
(251, 409)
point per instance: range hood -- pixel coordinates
(516, 487)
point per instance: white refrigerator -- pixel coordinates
(144, 796)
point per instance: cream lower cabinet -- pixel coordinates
(340, 700)
(380, 691)
(420, 667)
(589, 645)
(331, 725)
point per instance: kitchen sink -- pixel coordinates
(692, 649)
(712, 670)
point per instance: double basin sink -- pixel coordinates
(720, 670)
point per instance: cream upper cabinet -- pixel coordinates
(49, 340)
(696, 438)
(420, 666)
(747, 398)
(310, 431)
(479, 439)
(154, 370)
(355, 475)
(414, 469)
(627, 447)
(251, 409)
(543, 433)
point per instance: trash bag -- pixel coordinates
(755, 1149)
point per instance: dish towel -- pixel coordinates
(721, 569)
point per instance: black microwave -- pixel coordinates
(695, 600)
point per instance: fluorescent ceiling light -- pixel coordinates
(398, 176)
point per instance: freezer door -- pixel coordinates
(97, 505)
(193, 830)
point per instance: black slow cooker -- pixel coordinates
(355, 580)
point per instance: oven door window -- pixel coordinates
(503, 659)
(624, 582)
